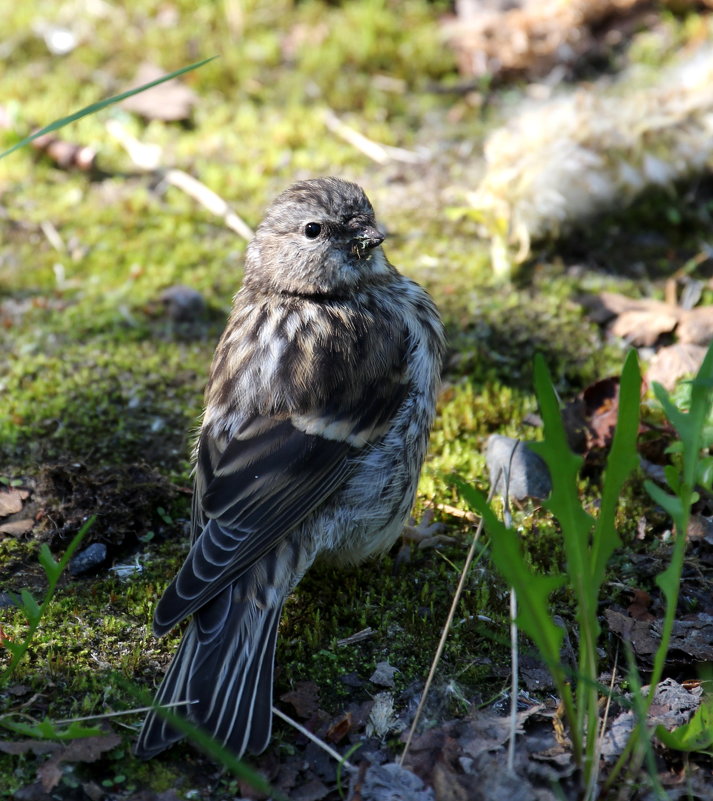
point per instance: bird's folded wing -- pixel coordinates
(252, 492)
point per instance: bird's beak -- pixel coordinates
(367, 239)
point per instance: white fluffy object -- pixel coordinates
(561, 160)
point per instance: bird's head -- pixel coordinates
(319, 237)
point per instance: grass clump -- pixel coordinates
(589, 544)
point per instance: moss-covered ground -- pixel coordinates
(100, 389)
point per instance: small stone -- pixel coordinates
(391, 781)
(383, 675)
(511, 463)
(88, 559)
(183, 304)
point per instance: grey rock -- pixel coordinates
(513, 465)
(92, 557)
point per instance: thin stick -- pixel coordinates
(148, 158)
(514, 692)
(602, 729)
(334, 754)
(514, 657)
(444, 635)
(454, 511)
(209, 200)
(379, 153)
(121, 712)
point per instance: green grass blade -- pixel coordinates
(621, 462)
(701, 399)
(690, 427)
(533, 590)
(205, 742)
(29, 604)
(102, 104)
(47, 730)
(696, 735)
(576, 526)
(51, 567)
(564, 468)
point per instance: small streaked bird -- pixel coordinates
(317, 414)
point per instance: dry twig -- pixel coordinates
(377, 152)
(444, 636)
(308, 734)
(148, 157)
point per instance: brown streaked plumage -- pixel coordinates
(318, 408)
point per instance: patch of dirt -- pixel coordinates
(125, 499)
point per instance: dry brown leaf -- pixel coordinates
(692, 636)
(304, 698)
(312, 790)
(339, 729)
(532, 38)
(16, 528)
(641, 321)
(66, 155)
(449, 785)
(590, 419)
(601, 404)
(636, 632)
(50, 775)
(11, 501)
(696, 326)
(640, 606)
(674, 362)
(170, 101)
(643, 326)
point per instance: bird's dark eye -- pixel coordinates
(312, 230)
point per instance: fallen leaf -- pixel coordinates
(66, 155)
(696, 326)
(637, 632)
(672, 704)
(304, 699)
(692, 635)
(32, 792)
(388, 783)
(674, 362)
(700, 528)
(530, 37)
(590, 419)
(49, 774)
(449, 785)
(340, 728)
(601, 405)
(16, 528)
(313, 790)
(640, 606)
(641, 321)
(170, 101)
(642, 327)
(11, 501)
(85, 749)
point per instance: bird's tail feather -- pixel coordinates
(227, 679)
